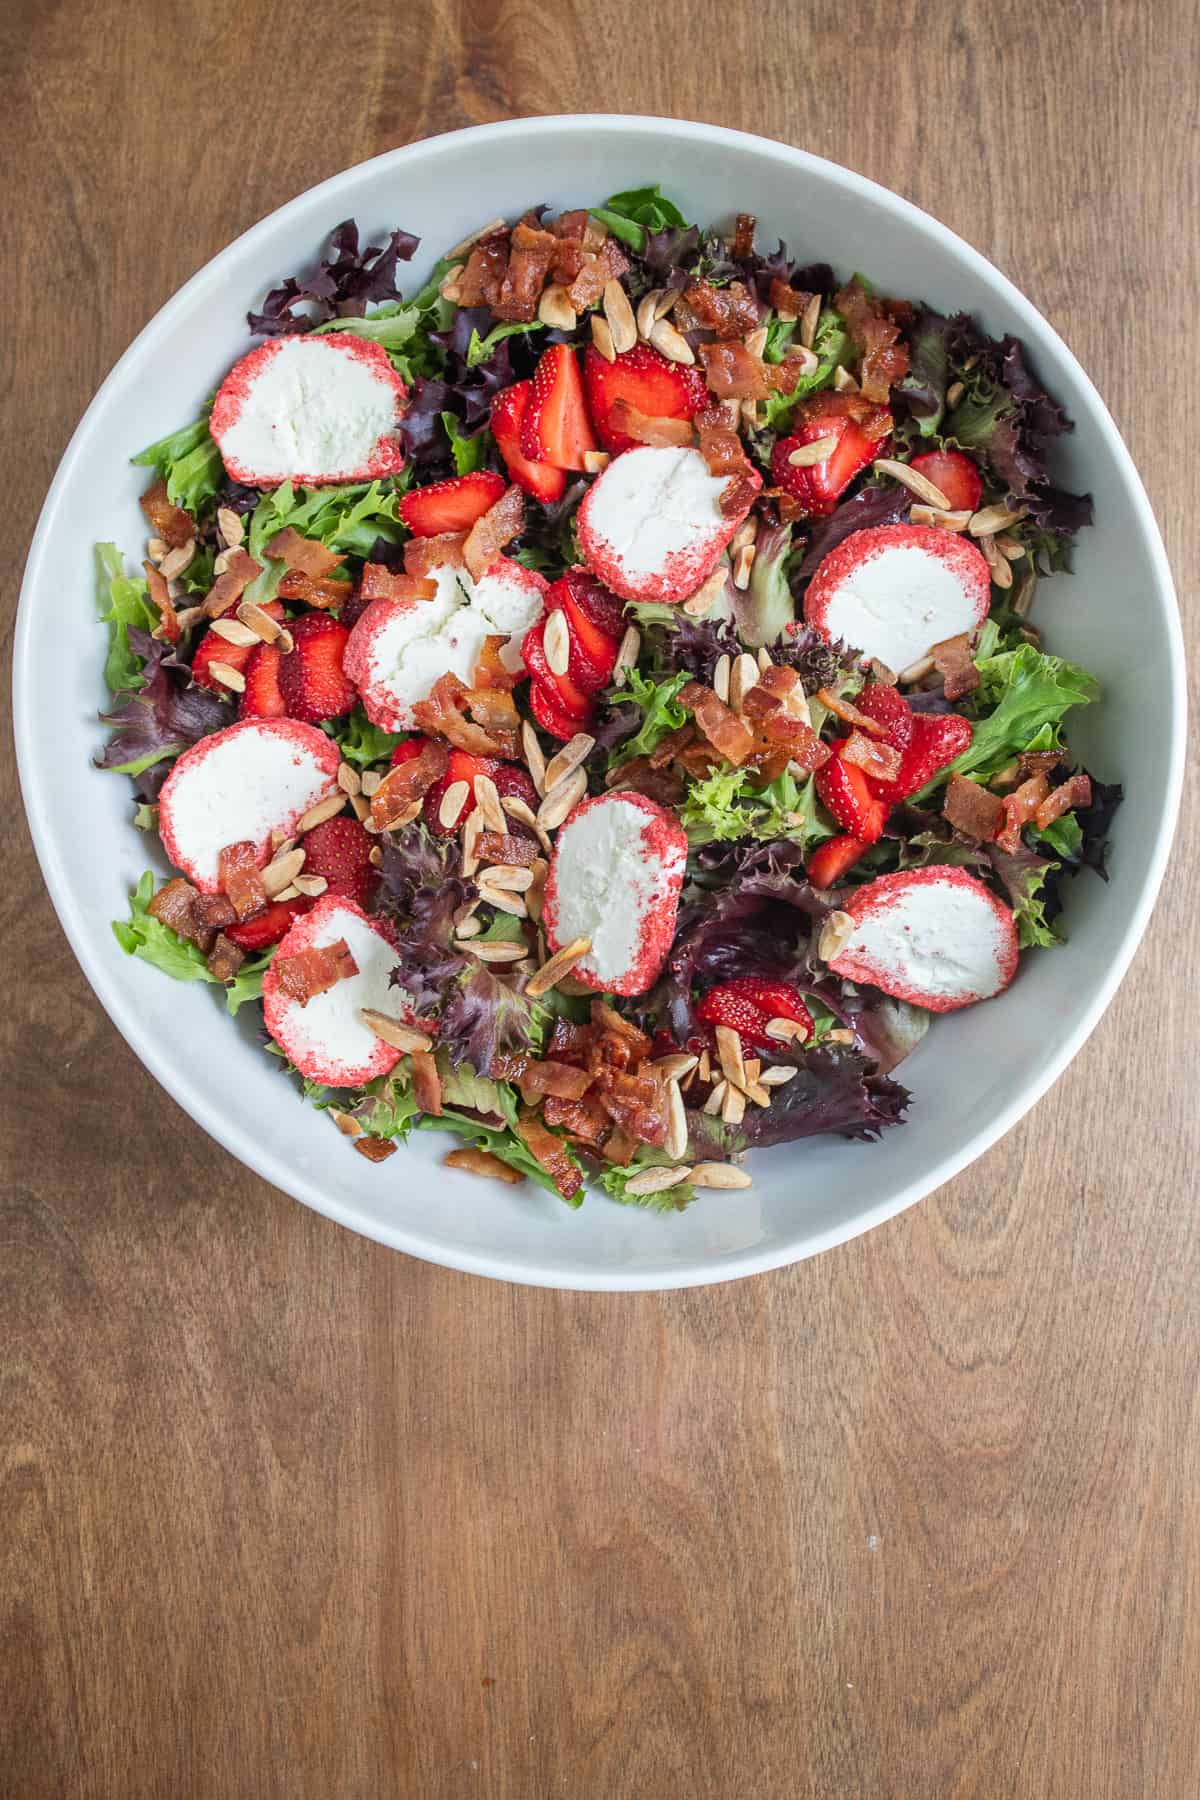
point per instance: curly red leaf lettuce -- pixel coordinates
(153, 724)
(832, 1091)
(344, 283)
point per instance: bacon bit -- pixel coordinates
(722, 449)
(481, 280)
(174, 906)
(972, 809)
(954, 663)
(308, 555)
(728, 736)
(239, 877)
(661, 433)
(607, 1018)
(550, 1152)
(849, 713)
(584, 1120)
(314, 590)
(423, 555)
(880, 761)
(315, 970)
(168, 626)
(225, 959)
(500, 847)
(571, 1042)
(737, 494)
(427, 1083)
(782, 682)
(375, 1149)
(743, 238)
(729, 311)
(1038, 762)
(491, 670)
(733, 372)
(407, 782)
(607, 264)
(782, 377)
(1075, 792)
(482, 1162)
(620, 1147)
(531, 253)
(875, 335)
(639, 777)
(381, 583)
(169, 522)
(1020, 809)
(213, 912)
(637, 1103)
(232, 583)
(787, 301)
(672, 745)
(499, 525)
(557, 1078)
(443, 714)
(799, 741)
(569, 253)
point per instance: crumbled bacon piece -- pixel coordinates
(726, 733)
(607, 1018)
(213, 912)
(550, 1152)
(607, 264)
(1038, 762)
(239, 877)
(381, 583)
(737, 494)
(531, 253)
(972, 809)
(508, 1065)
(443, 713)
(568, 1040)
(620, 1147)
(782, 682)
(427, 1083)
(229, 586)
(637, 1103)
(375, 1149)
(788, 301)
(672, 745)
(783, 376)
(495, 709)
(733, 372)
(507, 849)
(954, 663)
(729, 311)
(1075, 792)
(481, 280)
(639, 777)
(1020, 809)
(169, 522)
(407, 782)
(722, 450)
(424, 554)
(584, 1120)
(174, 906)
(323, 591)
(800, 741)
(308, 555)
(880, 761)
(499, 525)
(313, 971)
(491, 671)
(876, 336)
(849, 714)
(569, 253)
(743, 237)
(624, 417)
(549, 1077)
(168, 624)
(225, 959)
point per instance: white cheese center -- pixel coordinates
(329, 1024)
(651, 504)
(936, 938)
(313, 410)
(245, 787)
(447, 634)
(897, 603)
(606, 884)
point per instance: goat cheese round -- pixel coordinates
(893, 591)
(651, 526)
(936, 937)
(614, 878)
(325, 1038)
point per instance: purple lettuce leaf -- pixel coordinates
(870, 506)
(161, 718)
(697, 646)
(486, 1014)
(343, 284)
(421, 886)
(833, 1091)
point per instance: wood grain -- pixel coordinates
(283, 1514)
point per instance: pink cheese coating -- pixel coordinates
(988, 923)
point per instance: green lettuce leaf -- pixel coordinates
(147, 937)
(481, 348)
(727, 805)
(347, 519)
(661, 707)
(190, 463)
(629, 216)
(393, 325)
(123, 600)
(831, 346)
(360, 742)
(469, 453)
(615, 1183)
(1064, 836)
(1028, 693)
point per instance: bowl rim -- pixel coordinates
(117, 999)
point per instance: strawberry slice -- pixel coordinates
(546, 706)
(937, 738)
(642, 379)
(556, 428)
(859, 430)
(509, 778)
(340, 850)
(262, 698)
(845, 792)
(569, 696)
(267, 927)
(836, 856)
(596, 603)
(450, 505)
(956, 475)
(540, 479)
(593, 652)
(214, 648)
(311, 678)
(408, 749)
(888, 707)
(749, 1002)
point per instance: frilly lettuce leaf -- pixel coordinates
(147, 937)
(123, 600)
(190, 463)
(1028, 693)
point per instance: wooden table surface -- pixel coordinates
(285, 1514)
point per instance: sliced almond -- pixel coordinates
(395, 1032)
(756, 341)
(719, 1175)
(805, 456)
(746, 533)
(843, 381)
(763, 659)
(450, 289)
(156, 549)
(595, 461)
(783, 1030)
(809, 320)
(557, 642)
(562, 800)
(497, 953)
(516, 808)
(189, 616)
(602, 337)
(1022, 600)
(720, 680)
(482, 1162)
(285, 643)
(502, 900)
(677, 1125)
(535, 761)
(452, 803)
(674, 1068)
(568, 759)
(228, 677)
(259, 622)
(311, 885)
(221, 561)
(751, 414)
(484, 231)
(835, 934)
(733, 1106)
(997, 562)
(324, 809)
(716, 1099)
(1010, 547)
(509, 876)
(231, 526)
(469, 928)
(281, 873)
(913, 480)
(487, 798)
(647, 312)
(670, 343)
(656, 1181)
(743, 562)
(619, 313)
(954, 393)
(990, 519)
(370, 782)
(627, 655)
(729, 1050)
(937, 515)
(234, 632)
(349, 779)
(346, 1125)
(742, 677)
(779, 1075)
(375, 856)
(707, 594)
(176, 561)
(471, 833)
(555, 309)
(557, 966)
(915, 671)
(705, 1070)
(360, 806)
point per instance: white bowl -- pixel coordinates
(976, 1073)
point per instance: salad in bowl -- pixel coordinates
(592, 703)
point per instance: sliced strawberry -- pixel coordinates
(408, 749)
(268, 927)
(214, 648)
(888, 707)
(596, 602)
(556, 428)
(720, 1006)
(836, 856)
(593, 652)
(937, 738)
(262, 698)
(844, 791)
(642, 379)
(311, 678)
(749, 1002)
(859, 429)
(569, 697)
(540, 479)
(512, 779)
(450, 505)
(340, 850)
(547, 708)
(956, 475)
(509, 778)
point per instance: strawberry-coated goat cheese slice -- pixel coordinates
(398, 648)
(615, 878)
(311, 410)
(894, 590)
(651, 526)
(326, 1038)
(239, 785)
(936, 937)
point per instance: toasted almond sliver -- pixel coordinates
(375, 856)
(555, 309)
(156, 549)
(346, 1125)
(395, 1032)
(743, 562)
(290, 892)
(497, 953)
(516, 808)
(716, 1099)
(705, 1070)
(469, 928)
(990, 519)
(558, 965)
(509, 876)
(285, 643)
(488, 800)
(482, 1162)
(835, 934)
(719, 1175)
(779, 1075)
(809, 320)
(843, 381)
(221, 561)
(370, 781)
(324, 809)
(915, 671)
(470, 850)
(231, 526)
(721, 674)
(562, 800)
(176, 561)
(937, 515)
(535, 761)
(602, 337)
(756, 341)
(742, 677)
(733, 1106)
(1010, 547)
(281, 873)
(746, 533)
(783, 1030)
(671, 343)
(619, 314)
(227, 677)
(189, 616)
(259, 622)
(708, 593)
(841, 1036)
(595, 461)
(452, 803)
(234, 632)
(627, 655)
(647, 312)
(954, 393)
(677, 1125)
(360, 806)
(556, 642)
(913, 480)
(1023, 599)
(763, 658)
(997, 562)
(674, 1068)
(806, 455)
(502, 900)
(729, 1049)
(349, 779)
(656, 1181)
(568, 759)
(312, 885)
